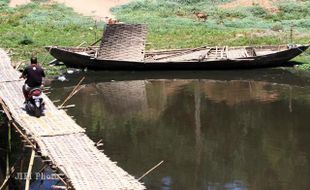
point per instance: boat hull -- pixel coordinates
(76, 60)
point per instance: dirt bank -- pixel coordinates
(267, 4)
(94, 8)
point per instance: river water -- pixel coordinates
(214, 130)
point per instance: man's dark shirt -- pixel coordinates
(33, 75)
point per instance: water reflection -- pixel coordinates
(123, 97)
(18, 159)
(212, 134)
(236, 92)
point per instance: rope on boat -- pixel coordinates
(303, 52)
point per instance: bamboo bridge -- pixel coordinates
(59, 141)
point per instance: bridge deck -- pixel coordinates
(61, 140)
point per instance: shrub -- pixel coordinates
(277, 27)
(257, 11)
(293, 10)
(235, 13)
(4, 2)
(26, 40)
(186, 1)
(190, 2)
(39, 1)
(55, 15)
(248, 22)
(299, 24)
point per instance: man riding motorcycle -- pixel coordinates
(34, 76)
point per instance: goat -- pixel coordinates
(201, 16)
(112, 21)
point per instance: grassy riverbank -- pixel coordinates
(27, 29)
(172, 24)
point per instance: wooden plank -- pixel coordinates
(226, 51)
(181, 53)
(205, 55)
(222, 52)
(246, 53)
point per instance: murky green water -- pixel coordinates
(214, 130)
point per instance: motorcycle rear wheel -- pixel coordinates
(37, 112)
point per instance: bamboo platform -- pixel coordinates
(60, 140)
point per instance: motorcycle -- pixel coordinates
(35, 103)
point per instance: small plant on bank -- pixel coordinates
(26, 40)
(277, 27)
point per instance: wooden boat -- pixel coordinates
(198, 58)
(123, 48)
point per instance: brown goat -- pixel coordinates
(112, 21)
(201, 16)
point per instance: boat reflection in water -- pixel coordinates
(212, 134)
(124, 96)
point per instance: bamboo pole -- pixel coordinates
(71, 93)
(96, 42)
(62, 180)
(12, 170)
(69, 97)
(67, 107)
(6, 110)
(8, 154)
(56, 101)
(42, 168)
(18, 65)
(77, 90)
(59, 187)
(149, 171)
(47, 54)
(81, 44)
(4, 184)
(33, 153)
(21, 166)
(10, 137)
(11, 80)
(182, 53)
(291, 34)
(24, 136)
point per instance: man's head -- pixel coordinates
(33, 60)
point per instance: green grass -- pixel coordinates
(172, 24)
(305, 59)
(25, 30)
